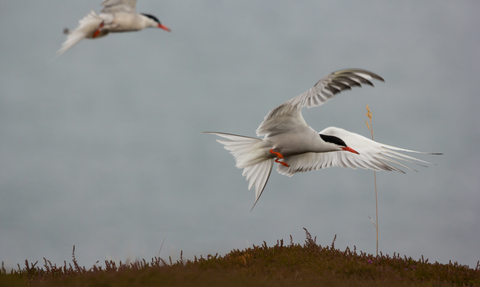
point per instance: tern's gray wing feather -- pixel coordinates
(115, 6)
(322, 91)
(372, 155)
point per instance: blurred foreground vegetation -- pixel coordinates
(279, 265)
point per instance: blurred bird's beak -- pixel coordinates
(161, 26)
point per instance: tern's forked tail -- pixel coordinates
(251, 154)
(87, 26)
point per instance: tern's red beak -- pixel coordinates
(350, 149)
(161, 26)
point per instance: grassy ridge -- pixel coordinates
(280, 265)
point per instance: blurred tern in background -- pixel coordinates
(116, 16)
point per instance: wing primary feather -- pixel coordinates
(348, 81)
(342, 86)
(332, 90)
(392, 156)
(362, 80)
(405, 157)
(359, 71)
(385, 158)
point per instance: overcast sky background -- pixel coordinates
(101, 147)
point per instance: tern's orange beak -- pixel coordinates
(350, 149)
(161, 26)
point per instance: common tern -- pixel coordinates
(297, 147)
(116, 16)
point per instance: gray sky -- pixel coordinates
(101, 147)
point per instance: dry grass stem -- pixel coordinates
(370, 128)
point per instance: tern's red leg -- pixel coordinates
(282, 163)
(98, 30)
(279, 155)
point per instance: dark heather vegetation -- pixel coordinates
(309, 264)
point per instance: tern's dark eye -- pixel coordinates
(333, 139)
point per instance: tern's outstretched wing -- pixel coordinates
(289, 112)
(372, 155)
